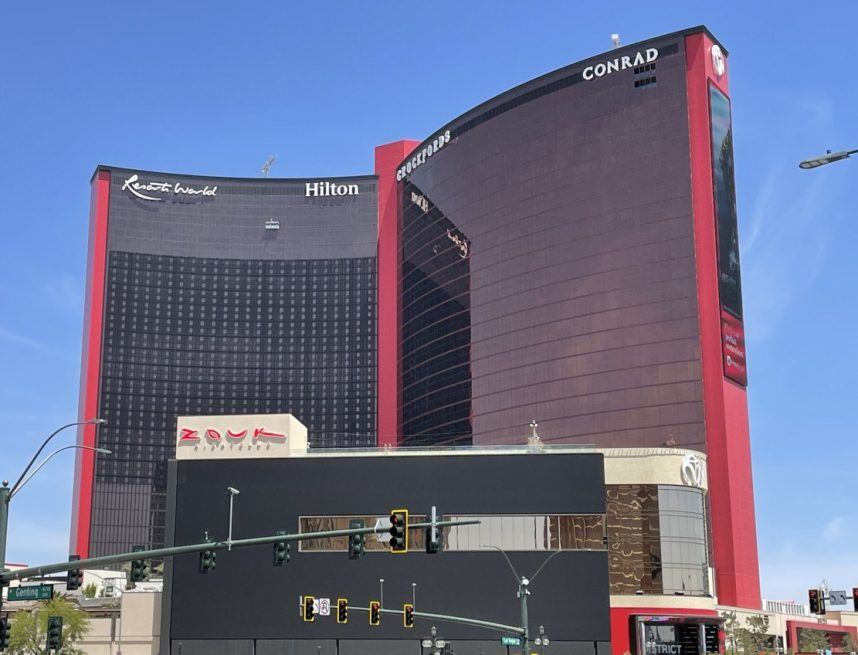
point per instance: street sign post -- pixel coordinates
(31, 592)
(510, 641)
(837, 597)
(382, 529)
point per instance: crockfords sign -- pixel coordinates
(419, 158)
(620, 63)
(330, 189)
(162, 190)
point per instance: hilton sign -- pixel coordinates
(240, 437)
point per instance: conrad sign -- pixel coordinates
(620, 63)
(240, 437)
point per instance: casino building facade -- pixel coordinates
(217, 296)
(566, 252)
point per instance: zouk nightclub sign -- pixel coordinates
(242, 436)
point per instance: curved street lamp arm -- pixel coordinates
(506, 557)
(45, 443)
(545, 561)
(20, 484)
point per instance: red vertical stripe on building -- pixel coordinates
(731, 492)
(90, 368)
(387, 158)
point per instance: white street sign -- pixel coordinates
(382, 530)
(324, 606)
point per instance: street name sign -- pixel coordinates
(510, 641)
(31, 592)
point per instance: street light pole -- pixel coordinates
(93, 421)
(523, 592)
(828, 158)
(7, 492)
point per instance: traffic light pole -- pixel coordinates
(500, 627)
(158, 553)
(4, 522)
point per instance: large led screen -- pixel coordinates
(729, 278)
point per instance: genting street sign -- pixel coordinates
(241, 436)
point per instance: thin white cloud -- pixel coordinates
(66, 292)
(835, 528)
(17, 338)
(786, 248)
(799, 560)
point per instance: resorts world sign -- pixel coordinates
(157, 191)
(620, 63)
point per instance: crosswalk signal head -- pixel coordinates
(374, 613)
(309, 607)
(399, 531)
(342, 610)
(356, 541)
(408, 615)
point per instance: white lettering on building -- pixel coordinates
(620, 63)
(141, 189)
(419, 158)
(420, 201)
(461, 243)
(328, 188)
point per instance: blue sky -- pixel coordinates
(208, 88)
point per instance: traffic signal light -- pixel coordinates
(139, 567)
(817, 604)
(208, 561)
(282, 552)
(74, 577)
(374, 613)
(55, 632)
(855, 597)
(342, 610)
(309, 609)
(408, 615)
(356, 541)
(4, 633)
(399, 531)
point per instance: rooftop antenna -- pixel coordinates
(615, 39)
(268, 163)
(533, 441)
